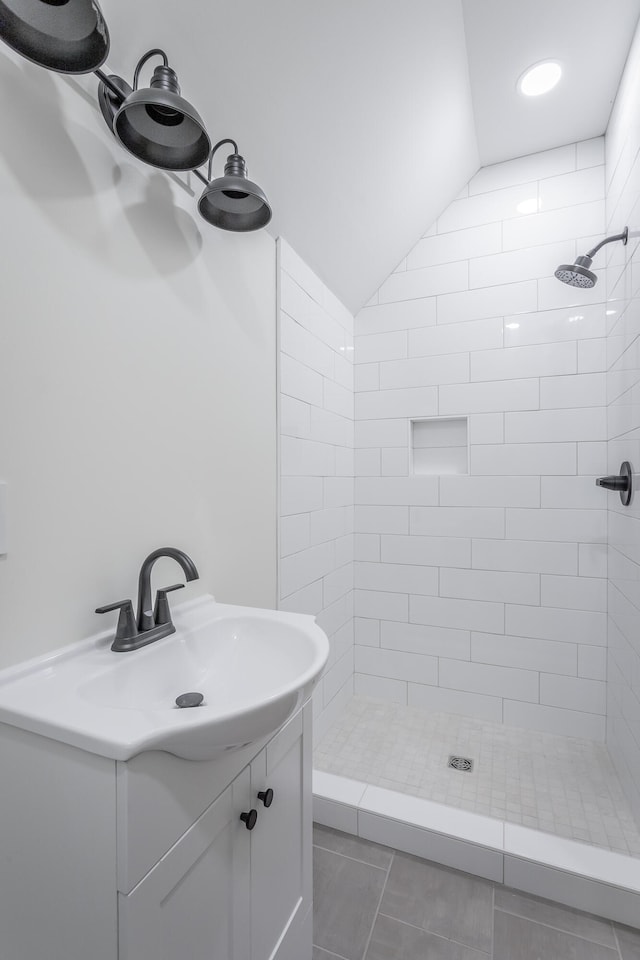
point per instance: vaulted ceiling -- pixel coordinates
(363, 119)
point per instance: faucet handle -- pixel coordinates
(161, 611)
(126, 628)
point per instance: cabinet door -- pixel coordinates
(194, 902)
(280, 842)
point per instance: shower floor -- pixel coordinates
(560, 785)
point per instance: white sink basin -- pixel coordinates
(253, 667)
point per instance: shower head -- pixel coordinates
(578, 274)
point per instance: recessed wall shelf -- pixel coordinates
(439, 446)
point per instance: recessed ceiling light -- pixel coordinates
(540, 78)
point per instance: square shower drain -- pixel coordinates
(461, 763)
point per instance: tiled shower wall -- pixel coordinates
(485, 594)
(623, 394)
(316, 469)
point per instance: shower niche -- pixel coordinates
(439, 446)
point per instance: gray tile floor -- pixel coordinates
(374, 903)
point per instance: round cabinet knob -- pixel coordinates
(249, 819)
(266, 796)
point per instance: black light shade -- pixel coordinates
(234, 202)
(155, 123)
(69, 36)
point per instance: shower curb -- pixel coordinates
(575, 874)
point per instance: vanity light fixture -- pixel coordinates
(69, 36)
(233, 202)
(540, 78)
(154, 123)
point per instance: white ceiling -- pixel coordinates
(363, 119)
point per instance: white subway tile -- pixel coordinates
(575, 593)
(512, 298)
(328, 524)
(428, 550)
(394, 691)
(331, 618)
(366, 376)
(556, 426)
(338, 399)
(515, 265)
(381, 519)
(502, 587)
(486, 428)
(298, 343)
(526, 653)
(525, 556)
(574, 626)
(554, 225)
(345, 545)
(329, 427)
(383, 605)
(552, 294)
(397, 491)
(426, 282)
(488, 679)
(299, 271)
(294, 534)
(517, 459)
(573, 693)
(499, 204)
(590, 152)
(553, 326)
(457, 521)
(388, 317)
(336, 309)
(543, 360)
(489, 397)
(592, 662)
(397, 577)
(310, 314)
(335, 585)
(592, 458)
(463, 337)
(301, 569)
(306, 458)
(395, 462)
(567, 723)
(300, 494)
(307, 600)
(384, 404)
(459, 245)
(368, 462)
(299, 381)
(396, 665)
(367, 546)
(592, 355)
(438, 699)
(526, 169)
(490, 491)
(338, 492)
(366, 632)
(457, 614)
(424, 370)
(295, 417)
(592, 559)
(566, 190)
(428, 640)
(584, 390)
(382, 433)
(577, 493)
(572, 526)
(381, 346)
(344, 462)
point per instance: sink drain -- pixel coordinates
(463, 764)
(189, 700)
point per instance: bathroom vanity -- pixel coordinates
(148, 859)
(132, 829)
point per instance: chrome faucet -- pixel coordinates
(150, 624)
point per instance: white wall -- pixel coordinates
(486, 594)
(137, 375)
(623, 380)
(316, 469)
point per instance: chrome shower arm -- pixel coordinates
(624, 236)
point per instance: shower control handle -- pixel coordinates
(622, 483)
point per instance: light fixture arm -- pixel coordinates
(213, 150)
(141, 62)
(110, 85)
(624, 236)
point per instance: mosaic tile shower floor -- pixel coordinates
(560, 785)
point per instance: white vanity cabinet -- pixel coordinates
(149, 859)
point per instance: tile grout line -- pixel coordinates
(615, 937)
(375, 916)
(432, 933)
(550, 926)
(346, 856)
